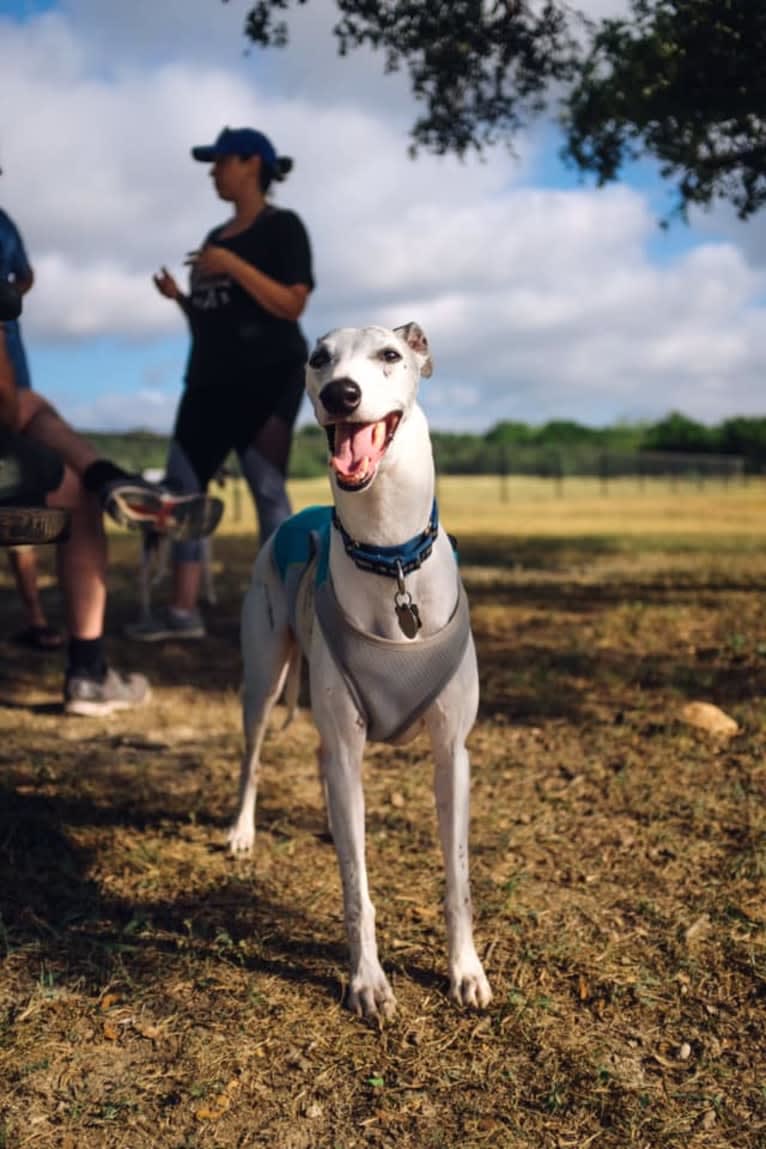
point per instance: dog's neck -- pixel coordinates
(398, 505)
(396, 561)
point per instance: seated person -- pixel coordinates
(43, 461)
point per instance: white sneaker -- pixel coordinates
(98, 697)
(138, 504)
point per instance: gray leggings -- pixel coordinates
(265, 480)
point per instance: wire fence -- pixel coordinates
(560, 464)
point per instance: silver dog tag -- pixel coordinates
(408, 617)
(407, 613)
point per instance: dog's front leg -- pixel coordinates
(449, 722)
(369, 994)
(266, 649)
(342, 740)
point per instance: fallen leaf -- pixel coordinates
(705, 716)
(206, 1113)
(152, 1032)
(219, 1105)
(698, 928)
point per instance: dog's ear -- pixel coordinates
(414, 337)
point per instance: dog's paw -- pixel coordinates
(371, 997)
(469, 987)
(240, 839)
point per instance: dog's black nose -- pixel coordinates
(341, 397)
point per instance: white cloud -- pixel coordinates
(538, 302)
(148, 410)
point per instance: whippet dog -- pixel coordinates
(379, 611)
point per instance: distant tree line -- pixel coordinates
(740, 436)
(509, 445)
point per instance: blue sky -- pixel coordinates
(542, 296)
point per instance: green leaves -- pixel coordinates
(682, 80)
(679, 80)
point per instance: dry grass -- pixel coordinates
(153, 992)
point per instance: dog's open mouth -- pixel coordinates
(356, 449)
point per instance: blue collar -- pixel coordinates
(391, 561)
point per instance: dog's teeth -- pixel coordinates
(379, 434)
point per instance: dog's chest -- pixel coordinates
(392, 679)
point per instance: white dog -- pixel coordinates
(374, 600)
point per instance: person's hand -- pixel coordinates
(209, 260)
(166, 284)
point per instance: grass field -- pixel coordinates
(156, 993)
(518, 507)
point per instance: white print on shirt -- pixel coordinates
(211, 293)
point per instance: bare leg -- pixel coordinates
(186, 583)
(23, 564)
(82, 559)
(39, 420)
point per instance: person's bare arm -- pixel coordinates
(167, 286)
(286, 301)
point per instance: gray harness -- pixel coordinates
(392, 682)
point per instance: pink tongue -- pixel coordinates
(354, 449)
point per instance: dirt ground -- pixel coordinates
(156, 993)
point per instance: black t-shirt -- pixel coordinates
(233, 337)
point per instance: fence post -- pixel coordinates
(503, 472)
(603, 467)
(558, 470)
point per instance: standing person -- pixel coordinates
(249, 284)
(16, 270)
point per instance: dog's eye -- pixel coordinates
(319, 358)
(390, 355)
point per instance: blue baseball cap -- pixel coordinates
(242, 142)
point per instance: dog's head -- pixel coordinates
(362, 382)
